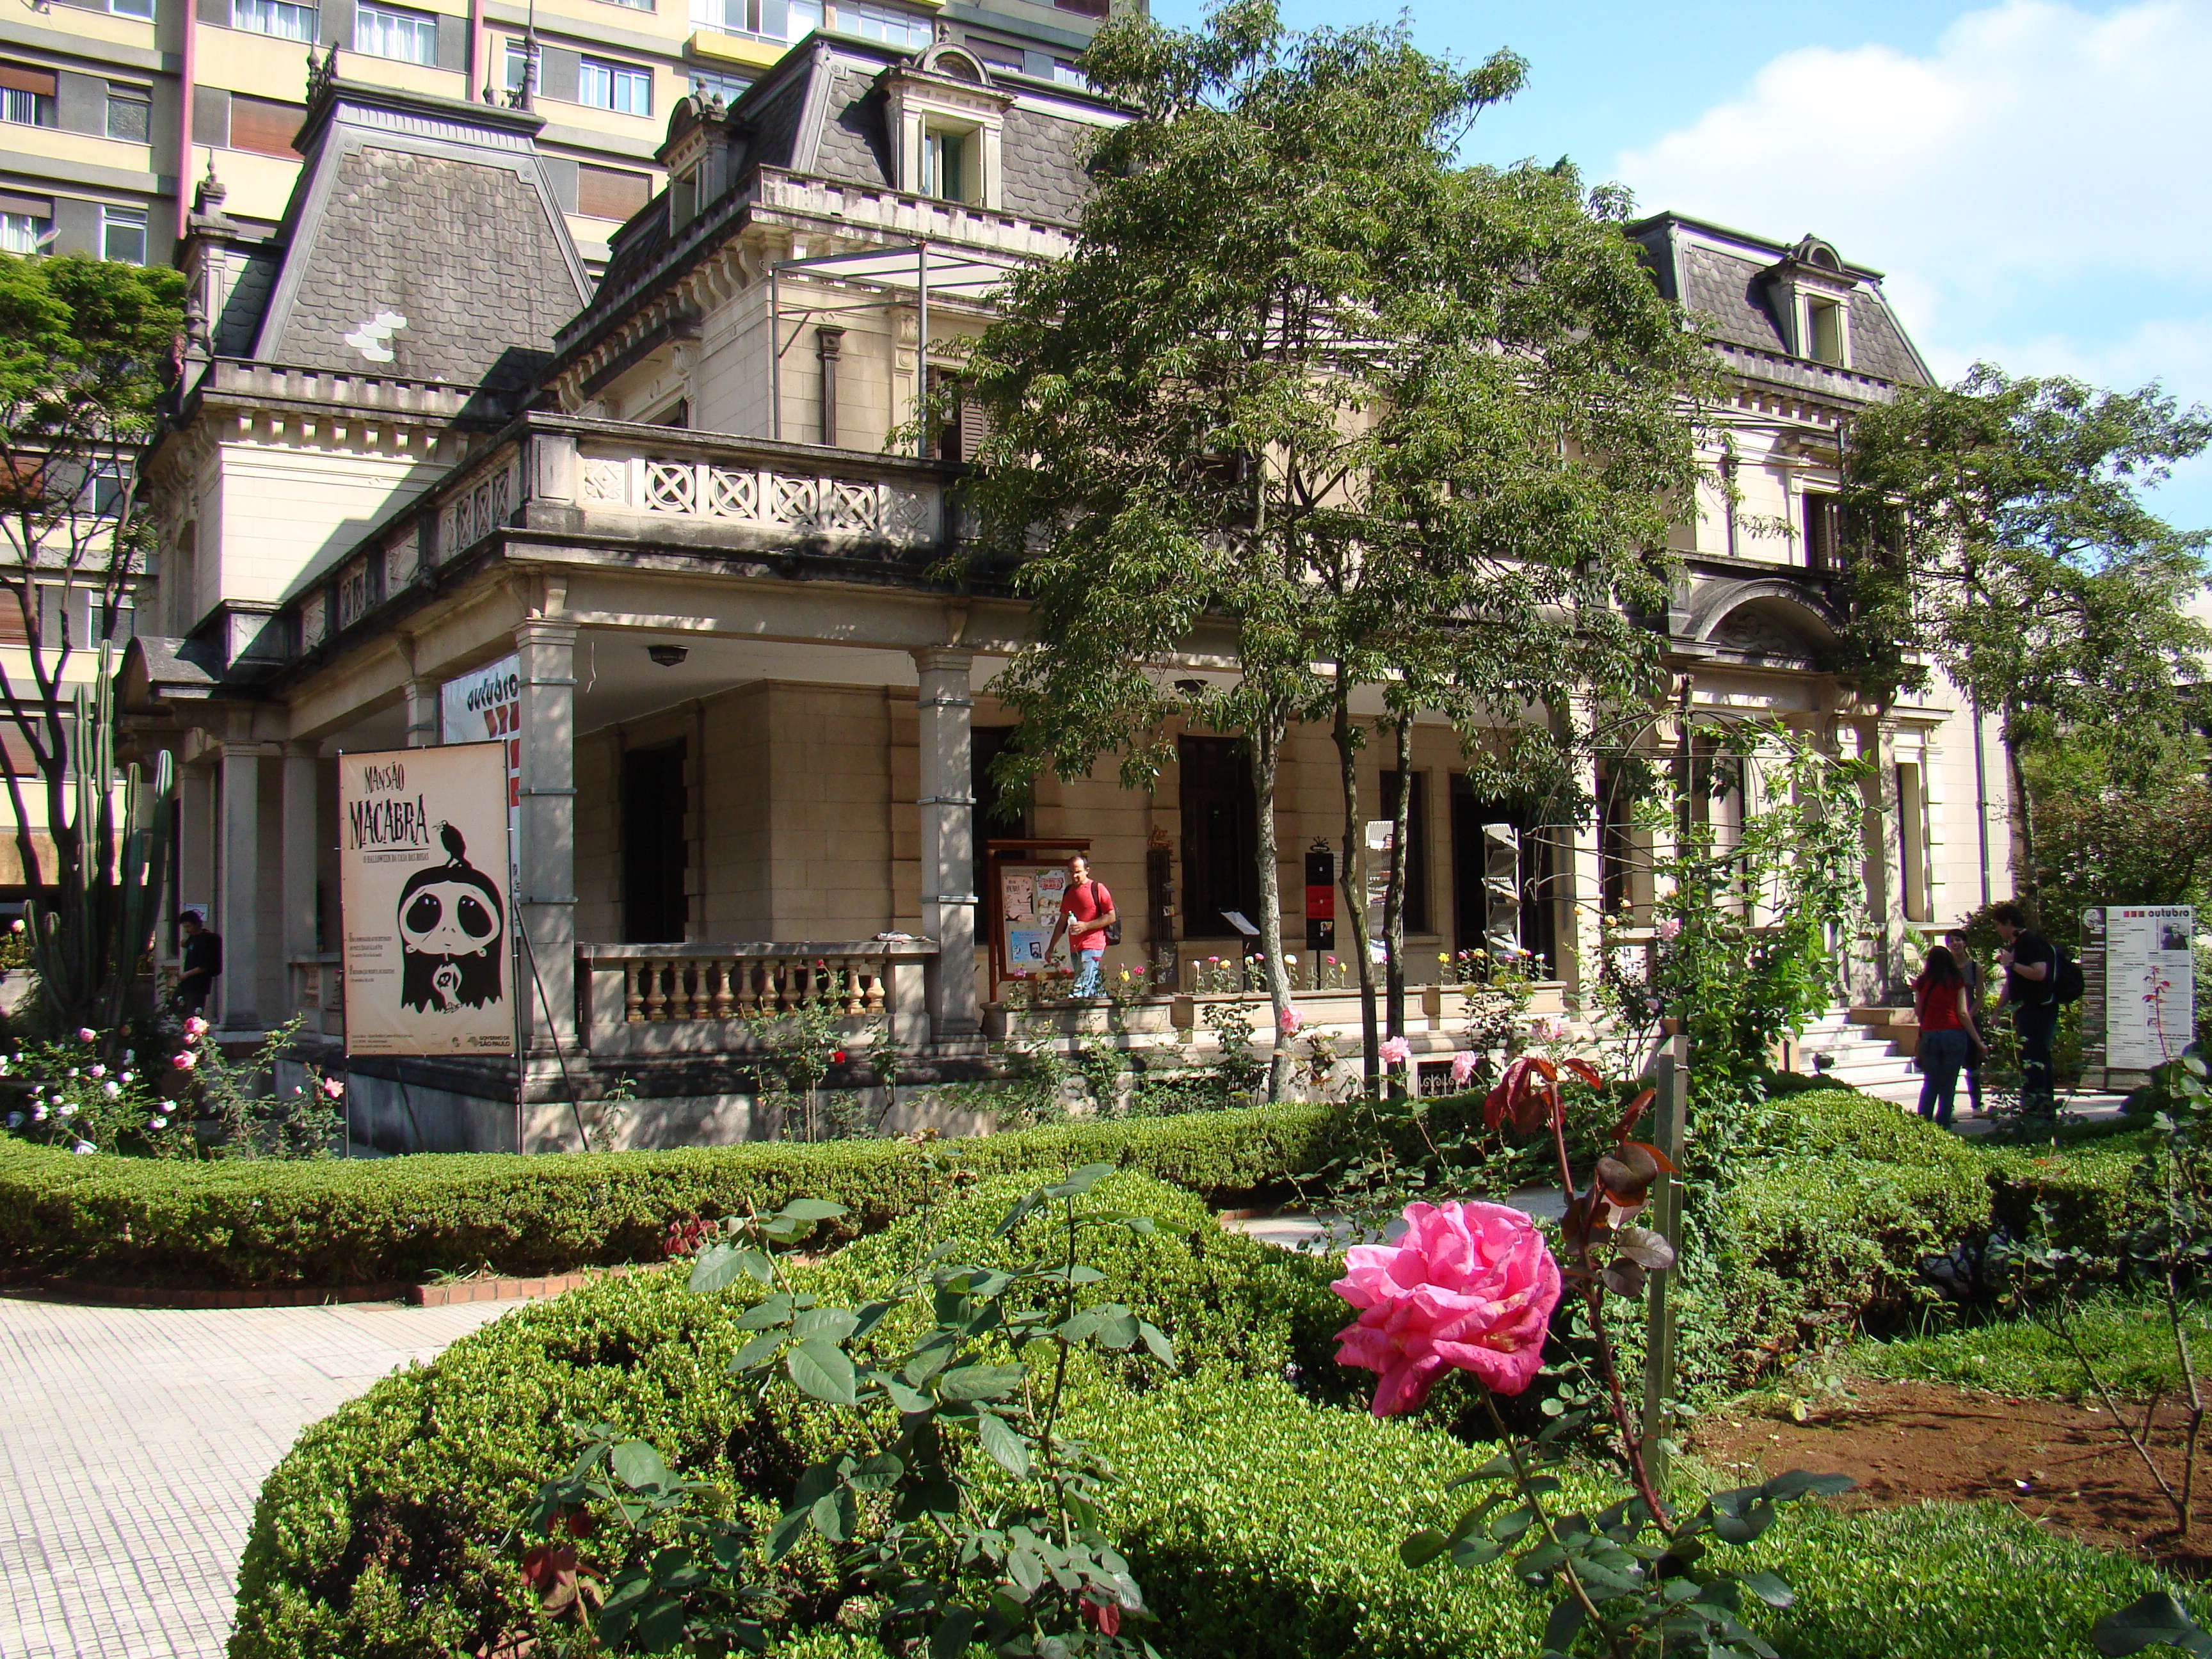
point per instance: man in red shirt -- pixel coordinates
(1085, 913)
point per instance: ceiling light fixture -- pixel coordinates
(666, 655)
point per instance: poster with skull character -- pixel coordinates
(423, 896)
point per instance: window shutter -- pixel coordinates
(610, 192)
(975, 427)
(26, 77)
(264, 125)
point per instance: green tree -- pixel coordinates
(85, 350)
(1999, 531)
(1314, 404)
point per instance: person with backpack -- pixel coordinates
(2032, 986)
(1948, 1037)
(1088, 918)
(1978, 997)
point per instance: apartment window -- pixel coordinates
(129, 114)
(278, 17)
(610, 192)
(264, 125)
(1068, 76)
(519, 55)
(26, 94)
(708, 84)
(765, 20)
(132, 9)
(26, 226)
(1824, 530)
(409, 37)
(106, 489)
(1824, 332)
(123, 234)
(1083, 7)
(893, 28)
(947, 167)
(621, 87)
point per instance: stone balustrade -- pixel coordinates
(709, 998)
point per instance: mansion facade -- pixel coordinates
(679, 511)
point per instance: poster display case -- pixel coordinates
(1024, 884)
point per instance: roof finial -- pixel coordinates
(208, 195)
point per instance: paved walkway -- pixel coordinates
(133, 1441)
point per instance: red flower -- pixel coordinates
(837, 1057)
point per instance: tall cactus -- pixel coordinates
(85, 946)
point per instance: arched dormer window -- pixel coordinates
(1811, 293)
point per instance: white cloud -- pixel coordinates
(2038, 147)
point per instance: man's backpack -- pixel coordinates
(2069, 985)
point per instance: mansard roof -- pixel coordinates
(422, 240)
(823, 111)
(1726, 277)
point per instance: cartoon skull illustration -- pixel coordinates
(450, 933)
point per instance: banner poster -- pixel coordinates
(423, 894)
(2150, 984)
(486, 707)
(1029, 910)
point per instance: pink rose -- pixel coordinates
(1291, 1021)
(1463, 1065)
(1471, 1286)
(85, 1034)
(333, 1087)
(1671, 927)
(185, 1061)
(194, 1028)
(1396, 1051)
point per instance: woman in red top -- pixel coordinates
(1947, 1032)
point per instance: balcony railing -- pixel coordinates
(554, 474)
(710, 998)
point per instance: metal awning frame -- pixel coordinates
(961, 275)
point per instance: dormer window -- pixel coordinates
(948, 120)
(1824, 329)
(946, 170)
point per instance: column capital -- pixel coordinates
(255, 750)
(545, 630)
(943, 659)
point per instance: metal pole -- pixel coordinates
(775, 353)
(922, 348)
(1672, 1107)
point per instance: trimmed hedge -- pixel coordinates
(1262, 1520)
(386, 1527)
(381, 1220)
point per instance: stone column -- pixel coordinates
(946, 798)
(421, 705)
(239, 880)
(545, 878)
(301, 846)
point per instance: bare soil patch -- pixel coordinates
(2060, 1463)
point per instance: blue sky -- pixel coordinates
(2033, 176)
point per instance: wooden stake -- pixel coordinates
(1672, 1106)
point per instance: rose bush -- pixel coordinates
(1470, 1287)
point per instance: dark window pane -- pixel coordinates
(1220, 836)
(654, 851)
(1417, 847)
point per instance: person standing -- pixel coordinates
(1086, 913)
(2031, 991)
(1977, 991)
(1948, 1034)
(203, 963)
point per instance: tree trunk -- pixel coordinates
(1266, 752)
(1351, 881)
(1394, 895)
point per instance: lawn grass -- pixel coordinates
(2127, 1336)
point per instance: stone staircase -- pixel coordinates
(1869, 1049)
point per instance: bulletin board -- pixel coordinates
(1025, 881)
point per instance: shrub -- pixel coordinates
(377, 1221)
(384, 1528)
